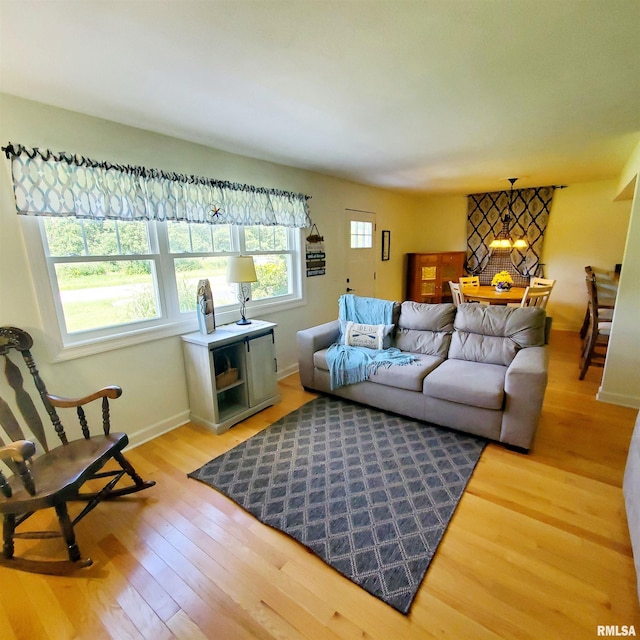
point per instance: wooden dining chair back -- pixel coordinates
(541, 282)
(596, 342)
(40, 476)
(456, 293)
(536, 297)
(469, 281)
(606, 289)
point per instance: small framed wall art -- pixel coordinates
(386, 245)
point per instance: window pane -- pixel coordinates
(198, 238)
(134, 237)
(252, 238)
(280, 242)
(273, 276)
(64, 237)
(72, 237)
(179, 238)
(201, 238)
(102, 294)
(221, 237)
(361, 234)
(190, 270)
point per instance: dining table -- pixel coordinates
(489, 295)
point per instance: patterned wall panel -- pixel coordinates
(529, 217)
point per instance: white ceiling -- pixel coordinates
(443, 96)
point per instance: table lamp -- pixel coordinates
(241, 270)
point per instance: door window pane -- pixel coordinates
(361, 234)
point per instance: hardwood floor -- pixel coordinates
(538, 547)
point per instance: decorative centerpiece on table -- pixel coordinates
(502, 281)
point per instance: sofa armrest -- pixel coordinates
(524, 386)
(312, 340)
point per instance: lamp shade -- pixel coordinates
(241, 269)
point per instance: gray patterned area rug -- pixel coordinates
(369, 492)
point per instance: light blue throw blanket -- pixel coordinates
(348, 365)
(365, 310)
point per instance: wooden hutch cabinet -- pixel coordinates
(428, 275)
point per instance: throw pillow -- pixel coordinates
(370, 336)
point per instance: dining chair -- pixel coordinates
(607, 289)
(469, 281)
(596, 341)
(456, 293)
(49, 477)
(536, 297)
(541, 282)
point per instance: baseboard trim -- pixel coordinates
(155, 430)
(618, 398)
(283, 373)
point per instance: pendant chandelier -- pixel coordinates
(504, 240)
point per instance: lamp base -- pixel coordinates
(243, 321)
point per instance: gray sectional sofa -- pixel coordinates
(479, 369)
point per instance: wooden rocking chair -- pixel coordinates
(54, 477)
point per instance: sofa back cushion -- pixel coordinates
(494, 334)
(425, 328)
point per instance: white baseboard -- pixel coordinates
(283, 373)
(155, 430)
(618, 398)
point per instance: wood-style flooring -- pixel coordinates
(538, 547)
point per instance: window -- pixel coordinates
(109, 279)
(361, 234)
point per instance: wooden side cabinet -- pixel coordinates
(428, 275)
(231, 373)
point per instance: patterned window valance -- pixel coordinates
(529, 217)
(62, 184)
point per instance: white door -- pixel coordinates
(361, 260)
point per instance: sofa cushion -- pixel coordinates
(472, 383)
(425, 328)
(408, 376)
(493, 334)
(426, 317)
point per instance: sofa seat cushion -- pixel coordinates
(407, 377)
(473, 383)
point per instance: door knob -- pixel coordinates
(350, 289)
